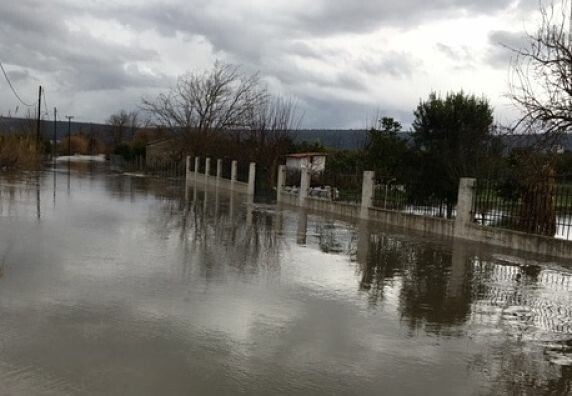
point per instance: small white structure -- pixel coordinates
(315, 162)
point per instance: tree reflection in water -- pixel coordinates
(519, 311)
(221, 232)
(512, 316)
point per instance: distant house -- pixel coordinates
(316, 162)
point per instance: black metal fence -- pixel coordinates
(243, 169)
(213, 165)
(166, 168)
(226, 168)
(337, 186)
(405, 198)
(541, 208)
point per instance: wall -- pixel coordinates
(433, 225)
(225, 184)
(462, 227)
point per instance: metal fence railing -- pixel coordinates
(242, 171)
(212, 170)
(337, 186)
(403, 198)
(166, 168)
(226, 168)
(543, 208)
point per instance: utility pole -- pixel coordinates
(39, 117)
(69, 135)
(55, 140)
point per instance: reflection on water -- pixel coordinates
(128, 285)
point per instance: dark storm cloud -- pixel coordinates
(350, 17)
(395, 64)
(36, 38)
(335, 113)
(18, 75)
(503, 43)
(320, 17)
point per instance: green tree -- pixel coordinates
(386, 149)
(453, 139)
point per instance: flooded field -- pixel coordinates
(122, 285)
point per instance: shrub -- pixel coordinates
(77, 144)
(19, 152)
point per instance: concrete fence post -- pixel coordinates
(465, 202)
(207, 169)
(304, 186)
(233, 171)
(187, 170)
(367, 187)
(252, 178)
(281, 182)
(218, 168)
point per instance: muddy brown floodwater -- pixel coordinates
(120, 285)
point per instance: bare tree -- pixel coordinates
(541, 78)
(204, 103)
(272, 125)
(123, 126)
(541, 87)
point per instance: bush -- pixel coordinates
(130, 152)
(19, 152)
(76, 144)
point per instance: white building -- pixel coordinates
(316, 162)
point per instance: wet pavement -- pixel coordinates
(123, 285)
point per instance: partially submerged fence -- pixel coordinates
(337, 186)
(539, 208)
(538, 221)
(158, 167)
(222, 173)
(410, 198)
(332, 186)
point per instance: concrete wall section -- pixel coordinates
(221, 183)
(462, 227)
(433, 225)
(519, 241)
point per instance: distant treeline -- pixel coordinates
(339, 139)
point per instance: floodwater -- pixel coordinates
(123, 285)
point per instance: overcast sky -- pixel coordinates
(341, 59)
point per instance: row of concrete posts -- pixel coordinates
(464, 203)
(234, 182)
(367, 190)
(462, 227)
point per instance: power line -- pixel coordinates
(12, 87)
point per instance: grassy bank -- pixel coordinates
(19, 152)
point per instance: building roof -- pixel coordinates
(159, 141)
(304, 155)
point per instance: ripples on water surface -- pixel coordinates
(119, 285)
